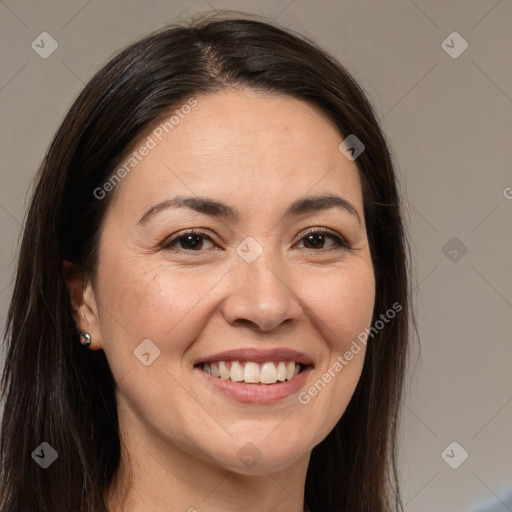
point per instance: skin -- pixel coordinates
(257, 153)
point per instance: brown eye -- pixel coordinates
(317, 240)
(189, 241)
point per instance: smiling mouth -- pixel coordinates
(248, 372)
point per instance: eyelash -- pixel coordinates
(340, 241)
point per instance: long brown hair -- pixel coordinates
(59, 392)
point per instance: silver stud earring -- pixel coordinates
(86, 337)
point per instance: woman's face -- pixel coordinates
(253, 285)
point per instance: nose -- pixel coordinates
(261, 295)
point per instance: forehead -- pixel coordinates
(241, 146)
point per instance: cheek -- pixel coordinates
(343, 311)
(152, 301)
(346, 305)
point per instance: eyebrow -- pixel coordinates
(217, 209)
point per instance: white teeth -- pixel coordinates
(224, 372)
(281, 371)
(268, 373)
(214, 370)
(253, 373)
(237, 372)
(290, 370)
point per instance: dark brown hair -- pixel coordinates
(59, 392)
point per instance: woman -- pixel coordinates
(211, 304)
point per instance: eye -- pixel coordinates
(192, 240)
(315, 239)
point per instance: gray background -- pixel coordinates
(449, 123)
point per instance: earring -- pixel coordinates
(87, 338)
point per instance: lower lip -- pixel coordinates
(257, 393)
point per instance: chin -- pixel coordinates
(261, 456)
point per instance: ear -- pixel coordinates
(83, 303)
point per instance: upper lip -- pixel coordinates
(258, 356)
